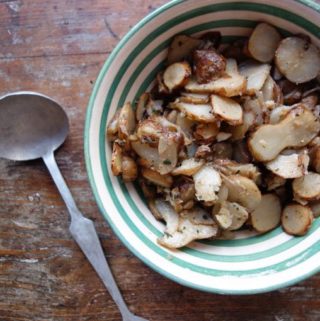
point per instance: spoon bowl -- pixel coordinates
(31, 125)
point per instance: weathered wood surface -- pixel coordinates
(57, 47)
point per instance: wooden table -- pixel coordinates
(57, 47)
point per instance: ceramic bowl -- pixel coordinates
(246, 265)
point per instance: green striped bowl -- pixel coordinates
(249, 264)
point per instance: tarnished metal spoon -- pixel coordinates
(34, 126)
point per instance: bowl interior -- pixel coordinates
(249, 263)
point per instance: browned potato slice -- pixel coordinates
(200, 112)
(176, 75)
(298, 59)
(207, 182)
(208, 65)
(242, 190)
(256, 75)
(156, 178)
(186, 233)
(296, 219)
(232, 84)
(307, 187)
(192, 98)
(227, 109)
(112, 129)
(263, 42)
(162, 210)
(188, 167)
(181, 47)
(161, 87)
(289, 166)
(116, 159)
(129, 169)
(266, 216)
(206, 133)
(297, 129)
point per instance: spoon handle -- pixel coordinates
(83, 231)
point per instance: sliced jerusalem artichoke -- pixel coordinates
(279, 113)
(229, 167)
(116, 159)
(274, 181)
(256, 75)
(156, 178)
(198, 112)
(227, 109)
(207, 182)
(242, 190)
(231, 84)
(198, 216)
(185, 125)
(263, 42)
(148, 153)
(162, 210)
(168, 152)
(298, 59)
(230, 215)
(222, 150)
(206, 133)
(208, 65)
(222, 136)
(222, 215)
(181, 48)
(272, 92)
(315, 158)
(307, 187)
(297, 129)
(289, 166)
(186, 233)
(176, 75)
(112, 129)
(188, 167)
(296, 219)
(315, 208)
(142, 106)
(129, 169)
(127, 122)
(238, 132)
(192, 98)
(266, 216)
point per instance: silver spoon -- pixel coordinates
(34, 126)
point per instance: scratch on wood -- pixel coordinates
(112, 33)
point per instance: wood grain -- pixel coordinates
(58, 47)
